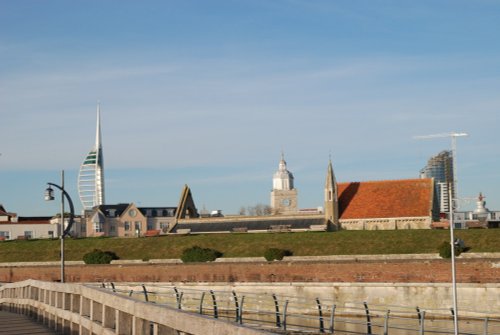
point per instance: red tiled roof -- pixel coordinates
(385, 199)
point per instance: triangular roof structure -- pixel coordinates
(186, 205)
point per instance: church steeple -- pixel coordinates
(331, 196)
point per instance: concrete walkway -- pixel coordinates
(14, 324)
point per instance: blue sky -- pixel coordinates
(208, 93)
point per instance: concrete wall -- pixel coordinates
(471, 297)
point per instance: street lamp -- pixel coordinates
(49, 196)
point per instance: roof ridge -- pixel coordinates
(385, 180)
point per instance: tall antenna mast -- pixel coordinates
(452, 199)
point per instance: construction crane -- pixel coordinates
(453, 137)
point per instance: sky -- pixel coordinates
(210, 93)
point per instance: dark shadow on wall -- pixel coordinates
(347, 195)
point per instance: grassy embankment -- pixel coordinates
(254, 245)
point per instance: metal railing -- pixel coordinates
(286, 314)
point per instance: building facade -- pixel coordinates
(13, 227)
(480, 217)
(128, 220)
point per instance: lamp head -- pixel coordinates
(49, 194)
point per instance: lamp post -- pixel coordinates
(49, 196)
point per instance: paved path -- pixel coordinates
(14, 324)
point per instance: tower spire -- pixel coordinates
(98, 127)
(91, 176)
(331, 196)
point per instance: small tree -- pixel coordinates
(198, 254)
(445, 249)
(272, 254)
(98, 256)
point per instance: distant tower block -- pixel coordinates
(283, 195)
(91, 176)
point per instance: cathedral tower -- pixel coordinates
(284, 194)
(91, 176)
(331, 197)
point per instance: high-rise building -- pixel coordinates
(440, 167)
(91, 176)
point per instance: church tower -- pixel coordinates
(284, 194)
(331, 197)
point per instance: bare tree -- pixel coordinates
(243, 210)
(258, 210)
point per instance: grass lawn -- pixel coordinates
(253, 245)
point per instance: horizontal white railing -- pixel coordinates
(86, 310)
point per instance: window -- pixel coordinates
(151, 225)
(51, 233)
(97, 227)
(83, 228)
(28, 234)
(126, 225)
(137, 225)
(112, 228)
(493, 215)
(4, 235)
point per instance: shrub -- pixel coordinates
(445, 250)
(272, 254)
(98, 256)
(198, 254)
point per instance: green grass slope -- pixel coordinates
(254, 245)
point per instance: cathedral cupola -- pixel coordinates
(283, 179)
(283, 194)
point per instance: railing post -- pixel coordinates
(332, 319)
(418, 315)
(201, 302)
(235, 297)
(113, 287)
(485, 332)
(145, 291)
(178, 297)
(277, 311)
(216, 313)
(422, 318)
(285, 308)
(241, 310)
(386, 323)
(368, 319)
(320, 312)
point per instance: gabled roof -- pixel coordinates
(386, 199)
(118, 209)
